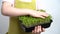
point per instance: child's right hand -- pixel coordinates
(38, 14)
(38, 30)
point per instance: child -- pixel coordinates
(8, 9)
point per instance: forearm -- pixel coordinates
(8, 10)
(15, 12)
(11, 11)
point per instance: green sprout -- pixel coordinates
(29, 21)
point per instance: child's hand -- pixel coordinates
(38, 14)
(38, 30)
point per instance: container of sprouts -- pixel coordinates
(28, 22)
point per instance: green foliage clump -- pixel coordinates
(29, 21)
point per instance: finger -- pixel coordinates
(38, 32)
(39, 16)
(45, 15)
(33, 32)
(43, 30)
(35, 29)
(40, 29)
(42, 16)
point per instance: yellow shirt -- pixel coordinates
(14, 26)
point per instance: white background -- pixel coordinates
(51, 6)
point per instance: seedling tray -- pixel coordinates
(29, 29)
(28, 23)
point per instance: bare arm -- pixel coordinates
(9, 10)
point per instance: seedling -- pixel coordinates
(29, 21)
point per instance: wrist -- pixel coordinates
(30, 12)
